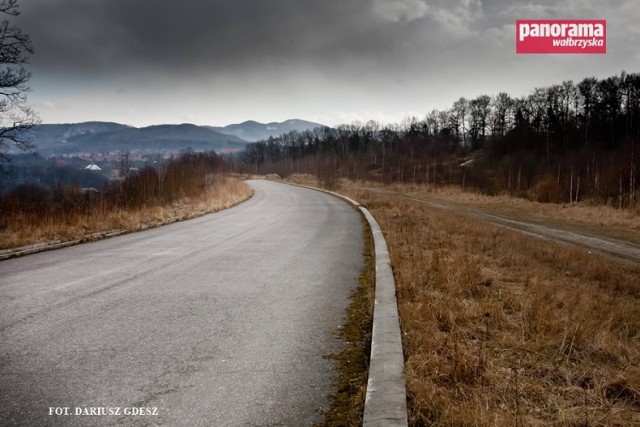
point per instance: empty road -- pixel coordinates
(222, 320)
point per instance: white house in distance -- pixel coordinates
(92, 167)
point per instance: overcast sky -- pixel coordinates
(217, 62)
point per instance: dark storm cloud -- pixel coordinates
(195, 36)
(179, 35)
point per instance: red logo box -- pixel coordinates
(561, 36)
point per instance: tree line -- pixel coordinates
(561, 143)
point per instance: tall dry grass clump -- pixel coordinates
(502, 329)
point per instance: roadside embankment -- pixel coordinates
(23, 233)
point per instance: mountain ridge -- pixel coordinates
(97, 136)
(251, 130)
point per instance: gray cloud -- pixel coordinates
(385, 53)
(176, 35)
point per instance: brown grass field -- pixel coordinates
(24, 229)
(502, 329)
(583, 216)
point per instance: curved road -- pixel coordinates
(222, 320)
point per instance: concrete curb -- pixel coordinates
(386, 399)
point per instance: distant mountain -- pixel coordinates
(104, 137)
(55, 137)
(254, 131)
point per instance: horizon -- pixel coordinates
(406, 116)
(178, 124)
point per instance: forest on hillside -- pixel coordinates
(563, 143)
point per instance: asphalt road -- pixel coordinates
(218, 321)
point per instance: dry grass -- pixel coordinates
(304, 179)
(25, 229)
(583, 216)
(504, 329)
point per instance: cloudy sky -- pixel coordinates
(217, 62)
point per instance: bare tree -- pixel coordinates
(16, 117)
(502, 106)
(479, 110)
(588, 94)
(568, 95)
(432, 122)
(459, 112)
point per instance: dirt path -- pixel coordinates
(619, 250)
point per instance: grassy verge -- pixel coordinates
(347, 404)
(504, 329)
(23, 229)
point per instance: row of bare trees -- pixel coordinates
(561, 143)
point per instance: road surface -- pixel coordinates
(222, 320)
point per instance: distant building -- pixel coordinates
(92, 167)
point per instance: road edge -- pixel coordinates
(386, 399)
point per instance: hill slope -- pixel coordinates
(107, 137)
(254, 131)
